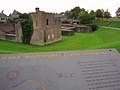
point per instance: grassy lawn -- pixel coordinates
(102, 38)
(115, 24)
(110, 22)
(102, 22)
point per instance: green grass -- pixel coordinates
(115, 24)
(110, 22)
(101, 22)
(102, 38)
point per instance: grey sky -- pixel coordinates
(57, 5)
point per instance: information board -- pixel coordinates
(64, 70)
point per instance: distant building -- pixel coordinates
(118, 14)
(15, 14)
(3, 17)
(47, 28)
(62, 17)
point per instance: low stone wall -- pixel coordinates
(77, 28)
(10, 37)
(84, 29)
(67, 32)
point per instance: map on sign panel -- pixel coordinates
(28, 78)
(68, 70)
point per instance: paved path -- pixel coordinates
(111, 27)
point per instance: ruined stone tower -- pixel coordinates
(47, 28)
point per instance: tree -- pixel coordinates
(99, 13)
(92, 14)
(67, 13)
(85, 17)
(23, 16)
(118, 12)
(107, 14)
(74, 13)
(27, 30)
(103, 11)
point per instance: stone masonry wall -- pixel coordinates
(11, 32)
(47, 29)
(2, 34)
(7, 27)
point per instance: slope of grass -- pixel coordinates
(102, 22)
(102, 38)
(115, 24)
(108, 22)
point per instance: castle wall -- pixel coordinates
(2, 35)
(7, 27)
(11, 32)
(18, 32)
(47, 29)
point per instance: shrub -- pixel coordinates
(93, 26)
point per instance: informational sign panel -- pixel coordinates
(67, 70)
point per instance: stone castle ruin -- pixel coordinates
(47, 28)
(9, 31)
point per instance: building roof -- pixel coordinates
(3, 15)
(59, 15)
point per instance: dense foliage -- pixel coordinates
(107, 14)
(86, 17)
(93, 26)
(27, 30)
(80, 14)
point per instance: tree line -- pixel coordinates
(86, 17)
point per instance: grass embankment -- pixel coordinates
(102, 22)
(102, 38)
(108, 22)
(115, 24)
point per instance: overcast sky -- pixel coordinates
(57, 5)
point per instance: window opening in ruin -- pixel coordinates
(47, 22)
